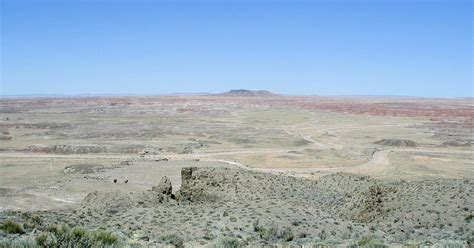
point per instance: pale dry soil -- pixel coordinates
(277, 164)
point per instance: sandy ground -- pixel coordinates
(54, 152)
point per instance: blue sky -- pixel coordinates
(391, 47)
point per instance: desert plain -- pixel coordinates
(242, 169)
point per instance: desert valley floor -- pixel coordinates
(236, 170)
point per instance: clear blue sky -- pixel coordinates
(391, 47)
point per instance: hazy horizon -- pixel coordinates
(213, 93)
(327, 48)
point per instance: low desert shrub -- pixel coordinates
(105, 238)
(225, 242)
(269, 234)
(469, 217)
(370, 243)
(51, 241)
(256, 226)
(173, 239)
(16, 242)
(78, 233)
(286, 235)
(64, 236)
(208, 235)
(42, 240)
(273, 233)
(11, 227)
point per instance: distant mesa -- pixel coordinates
(243, 92)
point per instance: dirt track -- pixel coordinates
(57, 152)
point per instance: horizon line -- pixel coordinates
(87, 95)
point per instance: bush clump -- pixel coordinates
(273, 233)
(371, 243)
(16, 242)
(173, 239)
(225, 242)
(105, 238)
(64, 236)
(11, 227)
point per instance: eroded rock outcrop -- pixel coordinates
(164, 187)
(197, 185)
(343, 203)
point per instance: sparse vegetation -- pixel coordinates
(370, 243)
(273, 233)
(11, 227)
(64, 236)
(137, 142)
(105, 238)
(287, 235)
(469, 217)
(225, 242)
(173, 239)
